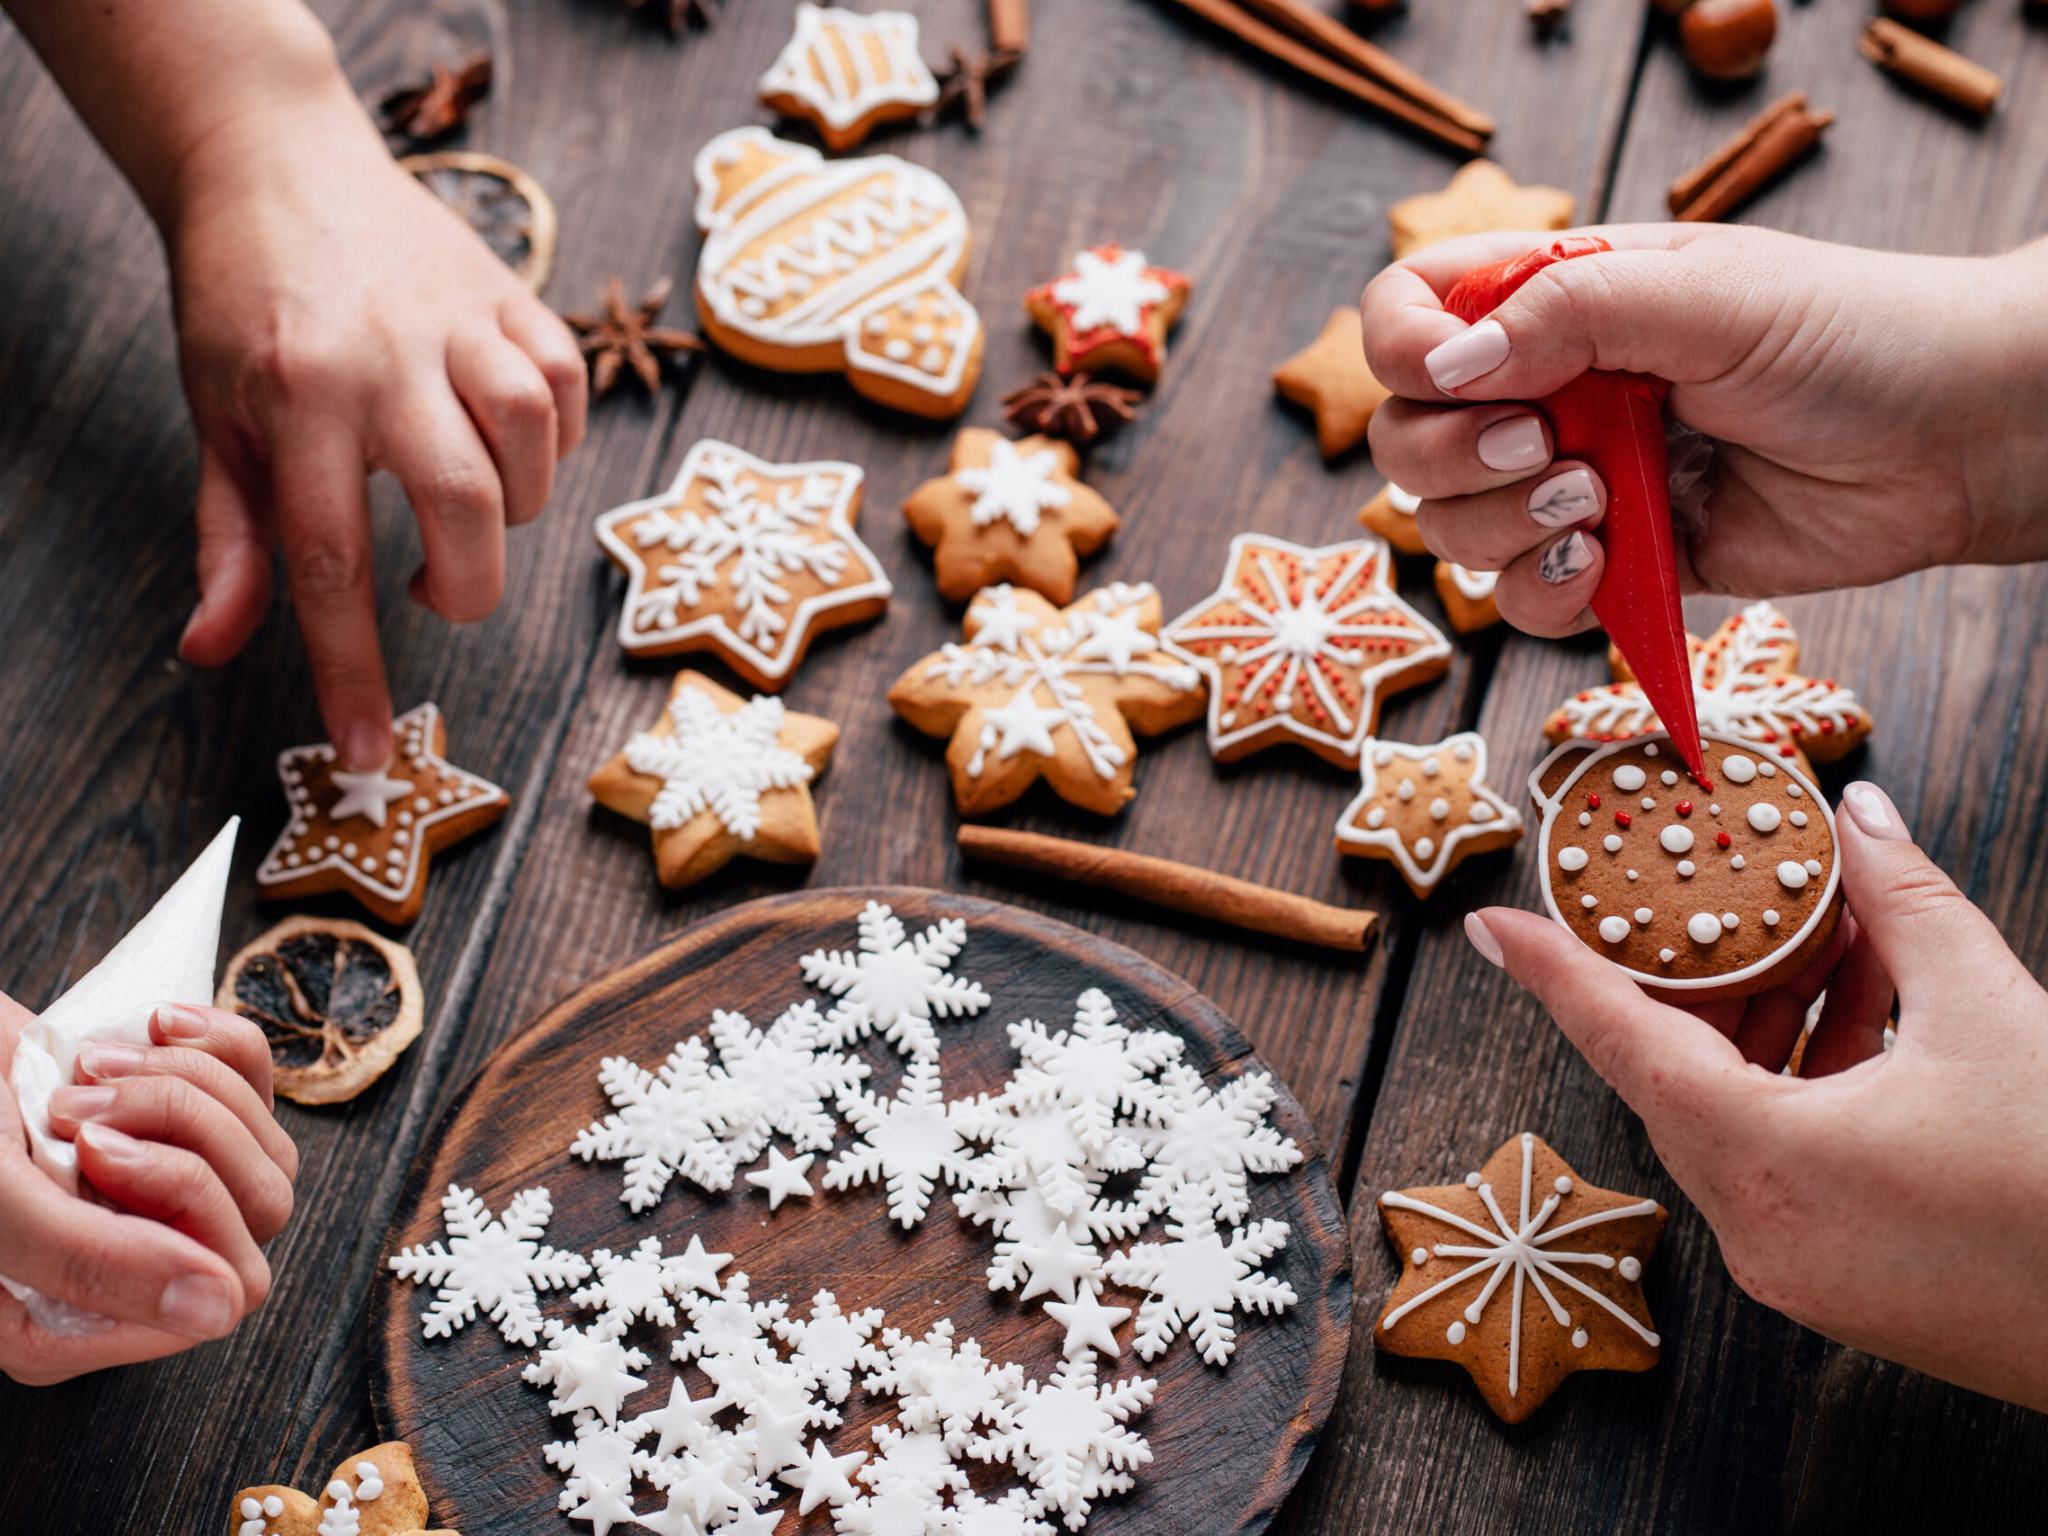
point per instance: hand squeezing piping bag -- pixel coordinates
(1615, 422)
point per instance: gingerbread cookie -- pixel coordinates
(1499, 1294)
(720, 776)
(1744, 686)
(1329, 376)
(1479, 198)
(373, 834)
(1110, 313)
(846, 73)
(1304, 645)
(1427, 808)
(1053, 693)
(1698, 891)
(374, 1493)
(1009, 511)
(812, 265)
(1467, 596)
(1391, 515)
(746, 559)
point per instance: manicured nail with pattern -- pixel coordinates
(181, 1023)
(1467, 355)
(104, 1060)
(1513, 445)
(1564, 499)
(1482, 938)
(1874, 813)
(1568, 557)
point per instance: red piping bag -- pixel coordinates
(1615, 422)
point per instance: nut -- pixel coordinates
(1727, 39)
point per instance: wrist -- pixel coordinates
(2004, 452)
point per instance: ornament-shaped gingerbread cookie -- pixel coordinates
(847, 73)
(1009, 512)
(1110, 313)
(1036, 692)
(373, 1493)
(1427, 808)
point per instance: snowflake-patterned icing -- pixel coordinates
(829, 1343)
(1023, 1223)
(1094, 1070)
(1010, 1515)
(1032, 1142)
(1069, 1439)
(717, 762)
(666, 1122)
(909, 1142)
(497, 1265)
(1211, 1139)
(1198, 1280)
(639, 1284)
(943, 1388)
(598, 1467)
(730, 1325)
(894, 983)
(1014, 486)
(781, 1080)
(588, 1368)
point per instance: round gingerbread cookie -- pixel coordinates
(1698, 891)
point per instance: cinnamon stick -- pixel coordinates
(1009, 25)
(1693, 182)
(1181, 887)
(1331, 36)
(1904, 52)
(1775, 145)
(1278, 45)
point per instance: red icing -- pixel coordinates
(1593, 802)
(1722, 839)
(1615, 422)
(1622, 818)
(1080, 344)
(1685, 807)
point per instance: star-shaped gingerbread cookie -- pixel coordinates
(1427, 808)
(1391, 515)
(1467, 596)
(719, 777)
(372, 834)
(1522, 1274)
(1330, 377)
(1479, 198)
(373, 1493)
(845, 73)
(1009, 512)
(1304, 645)
(1111, 312)
(1054, 693)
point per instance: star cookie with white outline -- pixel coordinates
(1009, 511)
(373, 834)
(845, 73)
(1426, 808)
(1487, 1283)
(1110, 312)
(1329, 376)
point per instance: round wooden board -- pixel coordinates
(1227, 1443)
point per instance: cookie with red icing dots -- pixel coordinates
(1699, 891)
(1110, 313)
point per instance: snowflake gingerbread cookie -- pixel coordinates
(1054, 693)
(719, 777)
(372, 834)
(1304, 645)
(1427, 808)
(1744, 686)
(748, 560)
(1009, 511)
(372, 1493)
(1110, 313)
(847, 73)
(812, 266)
(1522, 1274)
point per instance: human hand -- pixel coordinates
(192, 1175)
(1873, 413)
(1891, 1200)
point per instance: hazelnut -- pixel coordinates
(1727, 39)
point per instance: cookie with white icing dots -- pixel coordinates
(1329, 376)
(1304, 645)
(1522, 1274)
(1036, 692)
(1698, 891)
(812, 265)
(373, 1493)
(373, 834)
(746, 559)
(1009, 511)
(846, 73)
(719, 777)
(1744, 685)
(1426, 808)
(1110, 313)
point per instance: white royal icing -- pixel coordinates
(1109, 292)
(1014, 486)
(842, 65)
(717, 762)
(1429, 858)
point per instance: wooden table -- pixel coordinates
(1127, 122)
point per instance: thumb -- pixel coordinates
(234, 554)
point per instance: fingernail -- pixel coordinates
(364, 746)
(103, 1060)
(1568, 557)
(196, 1306)
(1874, 812)
(80, 1103)
(1514, 444)
(1482, 938)
(108, 1142)
(181, 1023)
(1564, 498)
(1467, 355)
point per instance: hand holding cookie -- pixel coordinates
(1879, 1196)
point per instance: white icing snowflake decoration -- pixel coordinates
(716, 762)
(1032, 1143)
(1014, 485)
(894, 983)
(1198, 1279)
(492, 1264)
(781, 1080)
(598, 1472)
(1093, 1071)
(1068, 1438)
(942, 1388)
(1024, 1223)
(1109, 292)
(587, 1367)
(666, 1122)
(909, 1142)
(829, 1343)
(1211, 1139)
(639, 1284)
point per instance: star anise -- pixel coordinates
(966, 84)
(625, 335)
(423, 113)
(677, 12)
(1078, 409)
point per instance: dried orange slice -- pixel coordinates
(506, 207)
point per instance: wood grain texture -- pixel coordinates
(1226, 1444)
